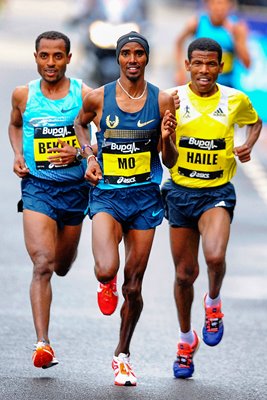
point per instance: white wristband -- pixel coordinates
(90, 156)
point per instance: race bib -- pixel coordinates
(46, 138)
(228, 60)
(201, 158)
(126, 163)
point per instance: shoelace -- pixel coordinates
(213, 318)
(184, 355)
(106, 289)
(124, 365)
(40, 344)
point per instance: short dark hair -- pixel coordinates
(53, 35)
(204, 44)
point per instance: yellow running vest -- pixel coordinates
(205, 135)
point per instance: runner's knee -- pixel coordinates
(186, 276)
(215, 261)
(104, 272)
(131, 291)
(43, 267)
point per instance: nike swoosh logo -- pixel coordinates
(155, 213)
(68, 109)
(141, 124)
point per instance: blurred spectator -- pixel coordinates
(219, 22)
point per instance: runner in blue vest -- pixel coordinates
(219, 23)
(134, 122)
(50, 162)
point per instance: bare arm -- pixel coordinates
(180, 55)
(91, 111)
(66, 154)
(253, 132)
(168, 126)
(240, 36)
(19, 99)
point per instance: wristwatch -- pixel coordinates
(79, 155)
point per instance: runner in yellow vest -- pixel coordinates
(199, 198)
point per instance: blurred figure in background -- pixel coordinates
(101, 23)
(219, 23)
(113, 10)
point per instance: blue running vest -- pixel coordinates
(127, 142)
(46, 120)
(225, 39)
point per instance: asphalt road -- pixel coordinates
(84, 340)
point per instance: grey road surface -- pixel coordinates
(84, 340)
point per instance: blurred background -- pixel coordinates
(94, 25)
(76, 323)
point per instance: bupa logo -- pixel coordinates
(60, 131)
(202, 144)
(125, 148)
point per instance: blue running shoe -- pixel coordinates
(183, 366)
(213, 329)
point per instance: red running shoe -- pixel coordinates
(107, 296)
(43, 355)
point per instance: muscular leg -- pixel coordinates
(50, 250)
(40, 239)
(184, 248)
(106, 236)
(138, 245)
(214, 227)
(66, 248)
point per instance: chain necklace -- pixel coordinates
(128, 94)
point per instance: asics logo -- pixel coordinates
(122, 180)
(200, 175)
(155, 213)
(65, 110)
(141, 124)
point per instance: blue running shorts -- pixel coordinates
(184, 206)
(65, 202)
(138, 207)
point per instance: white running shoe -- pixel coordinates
(124, 375)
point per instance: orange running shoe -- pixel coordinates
(183, 366)
(43, 355)
(212, 331)
(124, 375)
(107, 296)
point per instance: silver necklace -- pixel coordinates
(128, 94)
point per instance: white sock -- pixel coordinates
(212, 302)
(187, 337)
